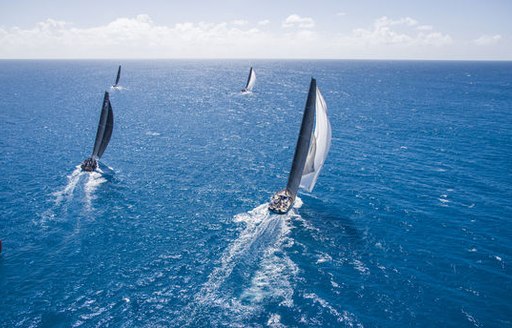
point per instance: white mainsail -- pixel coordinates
(319, 146)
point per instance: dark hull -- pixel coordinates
(89, 165)
(281, 202)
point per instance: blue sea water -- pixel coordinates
(409, 223)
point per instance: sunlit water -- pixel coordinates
(409, 224)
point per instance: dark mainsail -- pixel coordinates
(251, 80)
(248, 79)
(118, 76)
(302, 148)
(105, 128)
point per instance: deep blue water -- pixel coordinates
(409, 223)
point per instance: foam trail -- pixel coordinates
(67, 191)
(94, 180)
(252, 270)
(253, 230)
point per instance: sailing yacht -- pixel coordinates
(116, 84)
(105, 127)
(310, 152)
(251, 80)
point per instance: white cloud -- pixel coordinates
(240, 22)
(385, 21)
(127, 37)
(341, 14)
(403, 31)
(487, 40)
(297, 21)
(425, 27)
(141, 37)
(51, 24)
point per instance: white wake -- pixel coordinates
(68, 190)
(94, 180)
(254, 270)
(118, 88)
(63, 197)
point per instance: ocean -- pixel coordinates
(409, 223)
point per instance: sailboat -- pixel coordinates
(310, 153)
(115, 85)
(103, 135)
(251, 80)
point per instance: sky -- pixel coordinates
(294, 29)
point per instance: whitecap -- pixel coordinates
(275, 321)
(471, 318)
(323, 257)
(343, 316)
(359, 266)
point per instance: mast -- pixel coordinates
(302, 148)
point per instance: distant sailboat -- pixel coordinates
(310, 153)
(103, 135)
(251, 80)
(115, 85)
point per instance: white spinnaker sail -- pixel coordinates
(319, 146)
(251, 81)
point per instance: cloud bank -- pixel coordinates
(296, 37)
(487, 40)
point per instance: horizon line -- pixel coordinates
(268, 59)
